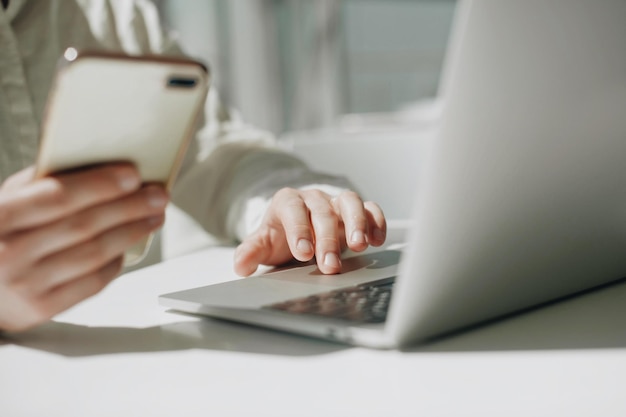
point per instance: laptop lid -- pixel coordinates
(523, 197)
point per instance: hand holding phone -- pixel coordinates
(66, 237)
(108, 108)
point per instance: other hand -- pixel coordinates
(303, 224)
(63, 237)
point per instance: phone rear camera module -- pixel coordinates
(182, 82)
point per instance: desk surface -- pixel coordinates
(121, 354)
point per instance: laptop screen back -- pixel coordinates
(523, 198)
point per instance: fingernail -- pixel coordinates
(304, 245)
(357, 237)
(332, 260)
(128, 181)
(156, 198)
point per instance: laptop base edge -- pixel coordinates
(366, 335)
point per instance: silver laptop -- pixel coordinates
(522, 199)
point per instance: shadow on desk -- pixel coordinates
(73, 340)
(594, 320)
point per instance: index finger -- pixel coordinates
(51, 198)
(326, 228)
(294, 218)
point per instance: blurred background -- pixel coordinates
(302, 64)
(350, 86)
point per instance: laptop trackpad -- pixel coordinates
(284, 284)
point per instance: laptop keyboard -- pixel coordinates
(363, 304)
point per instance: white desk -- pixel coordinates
(121, 354)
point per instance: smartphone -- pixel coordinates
(107, 107)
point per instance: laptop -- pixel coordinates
(521, 200)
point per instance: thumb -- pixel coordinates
(251, 253)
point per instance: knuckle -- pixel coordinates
(292, 208)
(349, 194)
(80, 225)
(294, 204)
(317, 194)
(95, 251)
(257, 241)
(324, 212)
(128, 209)
(285, 192)
(327, 241)
(301, 230)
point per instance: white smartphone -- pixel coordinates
(112, 107)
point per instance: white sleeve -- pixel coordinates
(228, 191)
